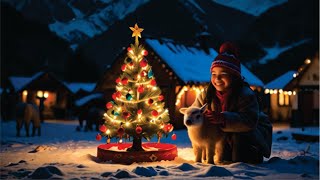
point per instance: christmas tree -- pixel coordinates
(137, 109)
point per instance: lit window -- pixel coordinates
(284, 99)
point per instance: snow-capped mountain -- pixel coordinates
(97, 30)
(76, 20)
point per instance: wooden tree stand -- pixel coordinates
(117, 153)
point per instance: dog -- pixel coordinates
(26, 113)
(206, 138)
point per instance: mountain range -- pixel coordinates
(79, 39)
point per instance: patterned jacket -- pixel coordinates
(244, 116)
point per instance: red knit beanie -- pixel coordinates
(228, 58)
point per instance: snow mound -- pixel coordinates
(45, 172)
(297, 165)
(186, 167)
(124, 174)
(215, 171)
(145, 171)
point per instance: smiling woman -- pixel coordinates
(233, 106)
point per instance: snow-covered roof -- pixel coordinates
(75, 87)
(250, 77)
(192, 64)
(88, 98)
(253, 7)
(281, 81)
(19, 82)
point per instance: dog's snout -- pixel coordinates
(188, 122)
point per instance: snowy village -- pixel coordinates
(150, 89)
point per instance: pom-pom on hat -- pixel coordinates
(228, 58)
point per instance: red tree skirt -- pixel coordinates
(153, 152)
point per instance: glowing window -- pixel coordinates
(283, 99)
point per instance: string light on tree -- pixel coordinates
(137, 109)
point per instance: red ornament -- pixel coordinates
(143, 73)
(118, 94)
(123, 67)
(144, 52)
(174, 137)
(98, 137)
(103, 128)
(139, 111)
(168, 128)
(160, 98)
(126, 115)
(118, 80)
(143, 63)
(109, 105)
(140, 89)
(153, 82)
(150, 101)
(130, 49)
(154, 113)
(120, 131)
(114, 96)
(124, 81)
(138, 130)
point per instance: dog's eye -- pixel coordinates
(198, 116)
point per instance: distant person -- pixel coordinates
(41, 108)
(233, 106)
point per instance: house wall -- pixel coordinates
(306, 109)
(311, 76)
(55, 106)
(279, 113)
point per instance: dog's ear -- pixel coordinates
(203, 108)
(183, 110)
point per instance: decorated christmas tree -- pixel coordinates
(136, 110)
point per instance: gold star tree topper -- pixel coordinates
(136, 32)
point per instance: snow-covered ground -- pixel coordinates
(64, 153)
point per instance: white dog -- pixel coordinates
(206, 138)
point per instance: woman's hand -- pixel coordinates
(214, 117)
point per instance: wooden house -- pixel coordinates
(279, 101)
(296, 100)
(181, 72)
(44, 85)
(80, 89)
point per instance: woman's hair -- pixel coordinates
(237, 84)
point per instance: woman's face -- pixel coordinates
(221, 79)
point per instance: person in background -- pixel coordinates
(233, 106)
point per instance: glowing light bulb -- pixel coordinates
(46, 94)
